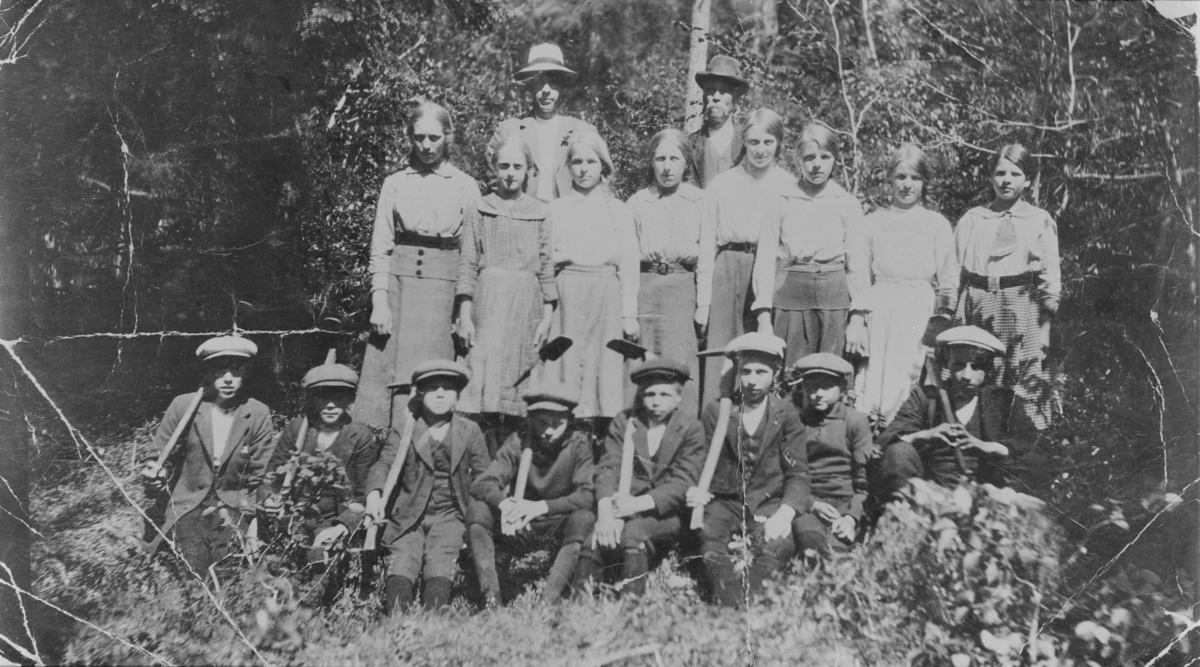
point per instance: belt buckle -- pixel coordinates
(663, 269)
(993, 283)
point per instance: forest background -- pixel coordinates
(180, 167)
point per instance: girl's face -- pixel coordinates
(511, 169)
(907, 186)
(816, 163)
(1008, 180)
(429, 141)
(760, 147)
(585, 168)
(668, 165)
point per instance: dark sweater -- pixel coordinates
(562, 478)
(838, 445)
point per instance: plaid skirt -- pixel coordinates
(506, 312)
(589, 313)
(1011, 314)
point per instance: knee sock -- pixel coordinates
(585, 570)
(483, 551)
(397, 594)
(636, 571)
(437, 592)
(561, 572)
(726, 584)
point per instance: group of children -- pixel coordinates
(495, 367)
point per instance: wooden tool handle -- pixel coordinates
(714, 455)
(389, 485)
(523, 474)
(184, 421)
(300, 438)
(625, 481)
(935, 375)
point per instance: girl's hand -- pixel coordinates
(701, 319)
(381, 313)
(764, 323)
(856, 335)
(632, 329)
(466, 330)
(825, 511)
(1045, 336)
(541, 333)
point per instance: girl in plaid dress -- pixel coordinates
(507, 292)
(1010, 279)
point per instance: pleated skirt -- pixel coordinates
(506, 311)
(589, 313)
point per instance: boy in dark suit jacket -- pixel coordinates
(668, 454)
(985, 437)
(426, 511)
(214, 470)
(761, 482)
(558, 494)
(329, 393)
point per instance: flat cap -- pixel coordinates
(972, 336)
(226, 346)
(824, 363)
(437, 368)
(661, 369)
(331, 375)
(550, 396)
(761, 343)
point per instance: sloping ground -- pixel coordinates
(962, 577)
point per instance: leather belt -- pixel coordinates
(422, 241)
(664, 268)
(994, 283)
(738, 247)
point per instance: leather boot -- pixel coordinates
(397, 594)
(726, 585)
(635, 571)
(561, 572)
(437, 592)
(483, 551)
(585, 571)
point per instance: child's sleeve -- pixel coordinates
(1050, 279)
(911, 418)
(948, 269)
(285, 446)
(261, 445)
(491, 486)
(608, 470)
(683, 473)
(628, 260)
(546, 261)
(859, 433)
(858, 254)
(383, 237)
(763, 274)
(793, 453)
(468, 261)
(584, 495)
(378, 474)
(706, 261)
(165, 428)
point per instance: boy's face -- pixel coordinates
(755, 375)
(822, 391)
(227, 373)
(439, 395)
(968, 369)
(332, 403)
(548, 425)
(660, 400)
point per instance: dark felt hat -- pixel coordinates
(661, 369)
(727, 69)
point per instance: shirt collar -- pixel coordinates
(1021, 209)
(832, 189)
(444, 169)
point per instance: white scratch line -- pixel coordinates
(91, 625)
(24, 614)
(1161, 402)
(1191, 625)
(80, 441)
(14, 493)
(23, 522)
(21, 650)
(179, 334)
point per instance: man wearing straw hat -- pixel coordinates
(545, 130)
(209, 453)
(716, 145)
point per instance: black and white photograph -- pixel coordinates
(600, 333)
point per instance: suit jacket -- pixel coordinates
(995, 420)
(667, 475)
(774, 473)
(193, 470)
(568, 127)
(563, 478)
(355, 448)
(698, 144)
(468, 458)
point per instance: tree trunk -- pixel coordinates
(693, 106)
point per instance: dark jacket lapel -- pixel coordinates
(237, 431)
(202, 424)
(420, 442)
(457, 442)
(670, 442)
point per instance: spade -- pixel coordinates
(548, 352)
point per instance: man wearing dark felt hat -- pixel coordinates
(716, 145)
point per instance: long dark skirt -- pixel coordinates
(729, 315)
(421, 293)
(666, 312)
